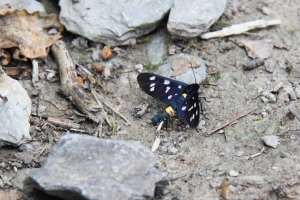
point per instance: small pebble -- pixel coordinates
(233, 173)
(292, 182)
(266, 10)
(264, 114)
(269, 96)
(139, 67)
(276, 186)
(240, 153)
(270, 65)
(15, 169)
(271, 140)
(52, 31)
(172, 150)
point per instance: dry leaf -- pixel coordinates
(106, 52)
(225, 190)
(181, 65)
(256, 49)
(99, 68)
(80, 80)
(29, 32)
(14, 71)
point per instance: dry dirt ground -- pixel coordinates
(203, 161)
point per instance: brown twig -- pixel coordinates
(238, 116)
(69, 83)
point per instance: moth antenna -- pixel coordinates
(192, 69)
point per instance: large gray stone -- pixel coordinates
(191, 18)
(188, 77)
(29, 5)
(156, 50)
(113, 22)
(85, 167)
(14, 112)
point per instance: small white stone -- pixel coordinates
(260, 90)
(271, 140)
(239, 153)
(139, 67)
(264, 114)
(233, 173)
(266, 10)
(264, 99)
(269, 96)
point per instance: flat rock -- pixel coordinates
(85, 167)
(113, 22)
(29, 5)
(187, 77)
(191, 18)
(271, 140)
(156, 50)
(15, 112)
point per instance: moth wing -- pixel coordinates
(189, 109)
(165, 89)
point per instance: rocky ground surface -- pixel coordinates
(265, 100)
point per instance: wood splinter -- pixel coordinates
(69, 84)
(240, 28)
(238, 116)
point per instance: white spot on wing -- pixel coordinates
(179, 86)
(152, 78)
(183, 108)
(166, 82)
(152, 84)
(192, 117)
(152, 89)
(169, 97)
(196, 112)
(190, 108)
(168, 88)
(195, 105)
(176, 94)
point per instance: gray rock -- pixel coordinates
(29, 5)
(187, 77)
(15, 112)
(286, 94)
(269, 96)
(172, 150)
(156, 50)
(233, 173)
(292, 182)
(270, 65)
(113, 22)
(96, 55)
(85, 167)
(276, 186)
(271, 140)
(189, 19)
(139, 67)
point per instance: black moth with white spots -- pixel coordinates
(181, 96)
